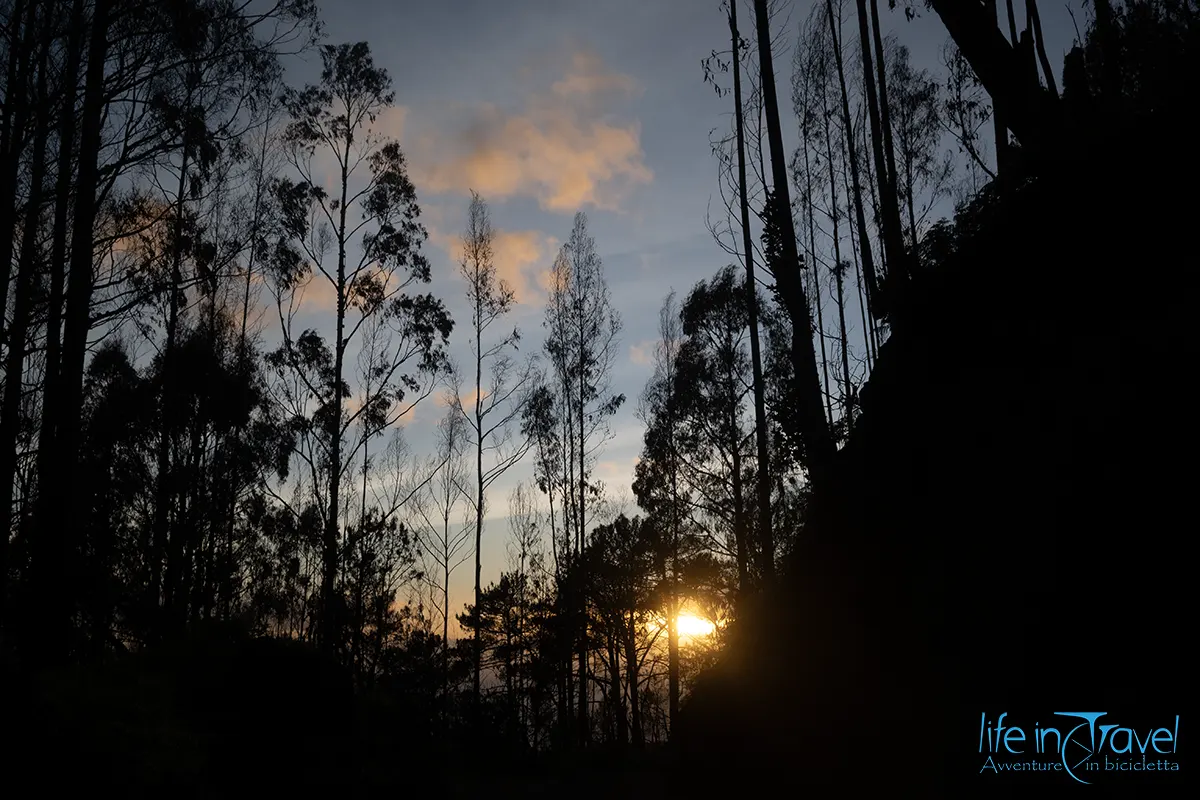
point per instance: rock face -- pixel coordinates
(1008, 531)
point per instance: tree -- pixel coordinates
(657, 477)
(810, 89)
(497, 404)
(441, 542)
(526, 565)
(335, 117)
(766, 533)
(864, 244)
(713, 380)
(819, 447)
(964, 110)
(582, 348)
(923, 174)
(890, 216)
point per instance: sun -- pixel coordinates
(692, 626)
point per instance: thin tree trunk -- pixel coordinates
(739, 510)
(58, 258)
(673, 681)
(885, 116)
(834, 214)
(618, 701)
(164, 489)
(872, 193)
(999, 118)
(858, 282)
(864, 241)
(848, 386)
(912, 215)
(814, 271)
(330, 632)
(14, 363)
(819, 447)
(227, 574)
(446, 620)
(766, 535)
(632, 681)
(477, 644)
(12, 138)
(584, 732)
(893, 250)
(55, 549)
(1035, 22)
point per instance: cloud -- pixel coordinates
(642, 353)
(562, 149)
(588, 77)
(519, 256)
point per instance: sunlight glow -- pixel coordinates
(691, 626)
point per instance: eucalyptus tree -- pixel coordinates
(581, 343)
(365, 264)
(493, 412)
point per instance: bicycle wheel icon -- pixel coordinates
(1078, 746)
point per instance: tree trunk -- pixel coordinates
(56, 536)
(816, 282)
(864, 241)
(57, 268)
(331, 629)
(766, 535)
(885, 115)
(858, 282)
(673, 592)
(1025, 109)
(18, 332)
(632, 681)
(819, 447)
(1035, 25)
(12, 137)
(164, 488)
(739, 510)
(618, 702)
(834, 214)
(999, 121)
(584, 733)
(477, 644)
(893, 249)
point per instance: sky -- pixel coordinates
(548, 107)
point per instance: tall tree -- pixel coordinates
(810, 82)
(55, 547)
(491, 415)
(765, 532)
(923, 172)
(819, 447)
(889, 215)
(582, 348)
(657, 477)
(443, 537)
(335, 117)
(864, 244)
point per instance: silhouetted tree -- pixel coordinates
(581, 344)
(497, 404)
(334, 117)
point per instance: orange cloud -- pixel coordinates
(561, 150)
(517, 255)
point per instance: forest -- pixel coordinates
(924, 401)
